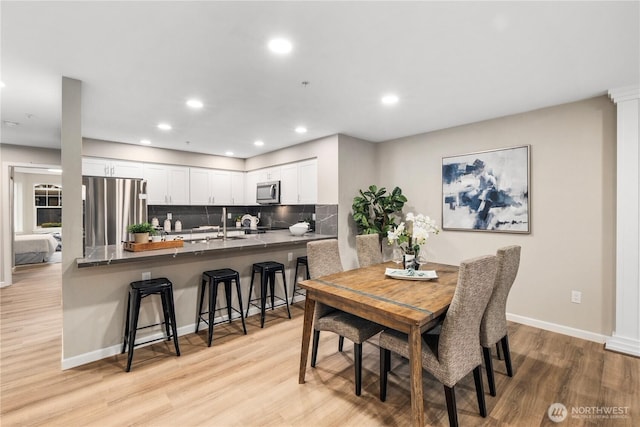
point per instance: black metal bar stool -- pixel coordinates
(302, 260)
(268, 272)
(213, 278)
(141, 289)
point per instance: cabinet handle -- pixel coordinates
(106, 170)
(113, 170)
(213, 200)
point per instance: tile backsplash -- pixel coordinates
(276, 216)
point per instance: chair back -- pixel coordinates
(494, 321)
(368, 249)
(459, 343)
(323, 258)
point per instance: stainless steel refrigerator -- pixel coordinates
(110, 206)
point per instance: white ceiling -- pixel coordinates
(450, 63)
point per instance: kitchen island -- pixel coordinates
(103, 275)
(114, 254)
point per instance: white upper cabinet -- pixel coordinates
(94, 166)
(237, 188)
(216, 187)
(308, 182)
(298, 182)
(289, 184)
(166, 184)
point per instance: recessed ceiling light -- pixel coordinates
(258, 143)
(164, 126)
(228, 153)
(194, 103)
(301, 129)
(145, 142)
(280, 46)
(389, 99)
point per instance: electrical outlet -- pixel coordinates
(313, 216)
(146, 275)
(229, 215)
(290, 256)
(258, 214)
(169, 216)
(576, 297)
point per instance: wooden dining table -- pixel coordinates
(409, 306)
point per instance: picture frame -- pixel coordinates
(487, 191)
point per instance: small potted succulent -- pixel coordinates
(238, 221)
(141, 232)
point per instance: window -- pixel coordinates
(48, 203)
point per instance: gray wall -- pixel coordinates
(572, 202)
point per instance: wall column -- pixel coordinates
(626, 335)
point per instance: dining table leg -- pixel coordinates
(415, 360)
(309, 306)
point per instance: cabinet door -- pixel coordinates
(156, 176)
(178, 185)
(251, 181)
(308, 182)
(199, 189)
(237, 188)
(125, 169)
(92, 166)
(289, 184)
(221, 187)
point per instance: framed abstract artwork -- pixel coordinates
(487, 191)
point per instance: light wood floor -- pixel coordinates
(252, 380)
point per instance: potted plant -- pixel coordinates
(141, 232)
(238, 221)
(373, 208)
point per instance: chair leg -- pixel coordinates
(227, 294)
(295, 281)
(204, 284)
(174, 322)
(165, 313)
(385, 365)
(499, 351)
(213, 296)
(253, 273)
(340, 343)
(507, 354)
(263, 296)
(357, 358)
(126, 325)
(488, 364)
(244, 326)
(477, 377)
(286, 295)
(450, 396)
(314, 348)
(133, 325)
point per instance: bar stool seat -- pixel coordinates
(302, 260)
(213, 278)
(142, 289)
(267, 271)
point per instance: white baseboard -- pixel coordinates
(103, 353)
(561, 329)
(623, 345)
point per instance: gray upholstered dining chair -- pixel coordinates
(493, 328)
(450, 355)
(368, 249)
(323, 258)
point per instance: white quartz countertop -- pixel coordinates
(115, 254)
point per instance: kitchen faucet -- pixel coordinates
(224, 223)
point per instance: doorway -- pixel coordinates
(36, 216)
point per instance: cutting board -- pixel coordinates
(137, 247)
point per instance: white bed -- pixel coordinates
(34, 248)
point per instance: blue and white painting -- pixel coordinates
(487, 191)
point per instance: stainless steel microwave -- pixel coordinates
(268, 193)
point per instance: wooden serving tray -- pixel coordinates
(137, 247)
